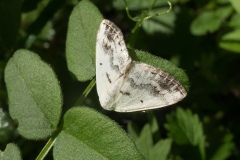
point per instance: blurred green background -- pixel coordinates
(200, 36)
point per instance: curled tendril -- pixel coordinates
(140, 19)
(161, 13)
(145, 15)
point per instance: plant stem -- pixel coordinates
(52, 140)
(85, 93)
(49, 144)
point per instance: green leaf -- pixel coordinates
(210, 21)
(184, 127)
(236, 5)
(34, 93)
(145, 142)
(88, 134)
(132, 130)
(47, 32)
(163, 64)
(206, 22)
(231, 41)
(162, 23)
(10, 12)
(153, 123)
(175, 157)
(150, 151)
(234, 22)
(223, 152)
(81, 40)
(11, 152)
(221, 141)
(161, 150)
(224, 12)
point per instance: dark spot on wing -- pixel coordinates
(149, 87)
(109, 80)
(107, 26)
(125, 93)
(106, 46)
(110, 35)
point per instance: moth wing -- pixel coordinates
(112, 60)
(146, 87)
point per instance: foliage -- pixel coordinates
(45, 91)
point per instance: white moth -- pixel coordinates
(124, 85)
